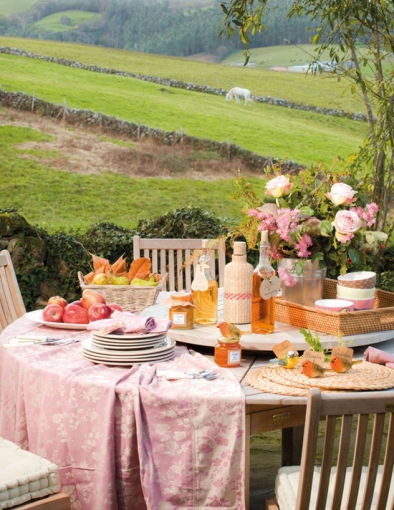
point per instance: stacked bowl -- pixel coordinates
(358, 287)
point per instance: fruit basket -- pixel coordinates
(130, 297)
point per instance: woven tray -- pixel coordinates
(130, 298)
(380, 318)
(363, 377)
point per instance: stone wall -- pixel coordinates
(180, 84)
(113, 126)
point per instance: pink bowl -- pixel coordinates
(358, 280)
(363, 304)
(334, 305)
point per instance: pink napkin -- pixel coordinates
(374, 355)
(129, 323)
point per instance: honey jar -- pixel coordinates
(228, 352)
(181, 310)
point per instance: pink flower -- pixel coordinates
(286, 277)
(287, 223)
(341, 194)
(346, 223)
(278, 186)
(303, 245)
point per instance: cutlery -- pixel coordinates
(38, 339)
(209, 375)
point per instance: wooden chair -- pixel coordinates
(364, 473)
(168, 256)
(59, 501)
(11, 302)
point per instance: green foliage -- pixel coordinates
(315, 343)
(188, 222)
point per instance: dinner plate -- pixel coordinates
(127, 363)
(128, 336)
(89, 346)
(36, 316)
(131, 341)
(127, 347)
(123, 359)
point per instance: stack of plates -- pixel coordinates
(127, 349)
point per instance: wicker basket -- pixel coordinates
(131, 298)
(380, 318)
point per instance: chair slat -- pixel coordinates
(359, 449)
(343, 454)
(376, 443)
(179, 277)
(11, 301)
(388, 468)
(329, 441)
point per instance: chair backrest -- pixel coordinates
(357, 446)
(169, 255)
(11, 302)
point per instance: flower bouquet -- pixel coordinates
(320, 217)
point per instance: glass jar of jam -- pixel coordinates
(181, 317)
(228, 352)
(181, 310)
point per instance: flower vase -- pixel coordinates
(310, 284)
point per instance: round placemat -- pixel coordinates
(363, 377)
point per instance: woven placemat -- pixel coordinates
(363, 377)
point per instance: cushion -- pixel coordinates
(286, 487)
(24, 476)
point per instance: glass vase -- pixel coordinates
(310, 284)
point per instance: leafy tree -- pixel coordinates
(359, 30)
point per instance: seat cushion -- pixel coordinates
(286, 487)
(24, 476)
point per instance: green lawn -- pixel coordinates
(54, 23)
(321, 90)
(55, 199)
(267, 130)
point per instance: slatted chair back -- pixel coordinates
(11, 302)
(168, 256)
(358, 471)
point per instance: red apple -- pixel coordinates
(89, 297)
(99, 311)
(78, 303)
(75, 314)
(57, 300)
(53, 313)
(115, 306)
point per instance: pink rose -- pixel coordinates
(278, 186)
(346, 223)
(341, 194)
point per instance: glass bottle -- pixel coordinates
(204, 290)
(263, 305)
(228, 352)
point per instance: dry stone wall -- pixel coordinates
(180, 84)
(113, 126)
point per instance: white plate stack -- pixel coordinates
(127, 349)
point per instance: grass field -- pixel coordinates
(11, 6)
(57, 199)
(268, 130)
(54, 23)
(322, 90)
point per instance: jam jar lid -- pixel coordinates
(231, 340)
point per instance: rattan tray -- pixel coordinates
(130, 298)
(380, 318)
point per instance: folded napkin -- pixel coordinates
(374, 355)
(128, 323)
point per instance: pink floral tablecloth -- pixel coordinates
(123, 438)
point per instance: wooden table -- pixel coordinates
(265, 412)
